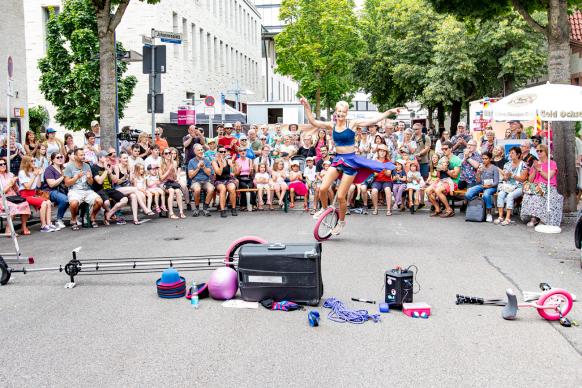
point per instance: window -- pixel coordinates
(46, 14)
(221, 55)
(185, 38)
(274, 115)
(175, 29)
(209, 52)
(195, 53)
(201, 51)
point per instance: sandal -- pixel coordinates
(94, 224)
(448, 214)
(106, 222)
(498, 221)
(75, 227)
(137, 222)
(182, 216)
(506, 222)
(173, 217)
(375, 212)
(292, 205)
(435, 213)
(388, 213)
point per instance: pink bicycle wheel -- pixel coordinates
(558, 297)
(326, 222)
(235, 246)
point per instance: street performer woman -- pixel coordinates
(345, 161)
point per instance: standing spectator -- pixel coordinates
(535, 198)
(433, 133)
(488, 141)
(53, 144)
(423, 143)
(470, 163)
(30, 143)
(508, 134)
(69, 142)
(91, 148)
(96, 129)
(134, 157)
(487, 181)
(125, 144)
(224, 181)
(307, 149)
(55, 185)
(324, 157)
(438, 191)
(29, 178)
(461, 139)
(193, 137)
(378, 140)
(200, 172)
(446, 136)
(399, 134)
(516, 128)
(161, 142)
(237, 130)
(526, 156)
(287, 146)
(513, 175)
(154, 159)
(78, 177)
(10, 187)
(266, 134)
(228, 141)
(113, 200)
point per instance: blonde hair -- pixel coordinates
(137, 167)
(26, 164)
(342, 104)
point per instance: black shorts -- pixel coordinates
(111, 195)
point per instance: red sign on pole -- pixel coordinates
(209, 101)
(186, 117)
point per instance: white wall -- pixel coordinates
(12, 44)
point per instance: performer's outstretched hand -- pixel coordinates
(303, 101)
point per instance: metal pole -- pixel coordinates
(153, 88)
(8, 128)
(210, 129)
(116, 98)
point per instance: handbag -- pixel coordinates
(507, 187)
(172, 185)
(15, 199)
(535, 188)
(43, 194)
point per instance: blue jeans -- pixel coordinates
(474, 191)
(62, 201)
(508, 199)
(424, 170)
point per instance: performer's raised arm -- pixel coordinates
(312, 120)
(365, 123)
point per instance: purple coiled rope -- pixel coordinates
(339, 313)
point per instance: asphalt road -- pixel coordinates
(114, 331)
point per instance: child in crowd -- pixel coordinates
(138, 180)
(263, 184)
(278, 176)
(310, 175)
(444, 178)
(296, 185)
(154, 186)
(211, 152)
(399, 179)
(318, 181)
(414, 186)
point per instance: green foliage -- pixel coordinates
(70, 71)
(415, 53)
(318, 47)
(38, 117)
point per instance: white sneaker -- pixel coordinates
(60, 224)
(489, 218)
(46, 229)
(338, 228)
(54, 228)
(318, 213)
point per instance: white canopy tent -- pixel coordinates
(551, 102)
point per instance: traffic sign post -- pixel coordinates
(209, 111)
(9, 93)
(222, 107)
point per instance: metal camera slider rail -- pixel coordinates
(117, 266)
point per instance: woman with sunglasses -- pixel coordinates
(345, 161)
(244, 171)
(10, 187)
(29, 178)
(535, 201)
(225, 182)
(122, 181)
(55, 185)
(169, 176)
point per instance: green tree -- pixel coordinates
(70, 71)
(556, 29)
(318, 48)
(109, 14)
(38, 117)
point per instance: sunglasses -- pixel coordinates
(540, 150)
(2, 164)
(444, 148)
(222, 152)
(167, 153)
(157, 134)
(59, 157)
(111, 154)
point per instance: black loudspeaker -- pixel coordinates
(398, 284)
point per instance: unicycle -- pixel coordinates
(326, 222)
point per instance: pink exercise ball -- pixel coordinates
(223, 283)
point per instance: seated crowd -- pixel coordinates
(264, 167)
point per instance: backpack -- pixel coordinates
(475, 210)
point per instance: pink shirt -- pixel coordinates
(244, 166)
(553, 167)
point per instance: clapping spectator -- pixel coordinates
(449, 173)
(224, 181)
(193, 137)
(169, 177)
(29, 178)
(143, 141)
(200, 172)
(54, 183)
(122, 182)
(383, 182)
(78, 177)
(470, 163)
(10, 187)
(244, 170)
(513, 175)
(30, 143)
(113, 200)
(40, 158)
(487, 181)
(321, 142)
(16, 154)
(408, 142)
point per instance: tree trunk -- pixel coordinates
(455, 116)
(430, 117)
(317, 103)
(441, 117)
(559, 72)
(107, 79)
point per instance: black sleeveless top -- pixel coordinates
(225, 172)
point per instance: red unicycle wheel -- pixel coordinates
(235, 246)
(560, 299)
(325, 223)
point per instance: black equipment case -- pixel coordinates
(281, 272)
